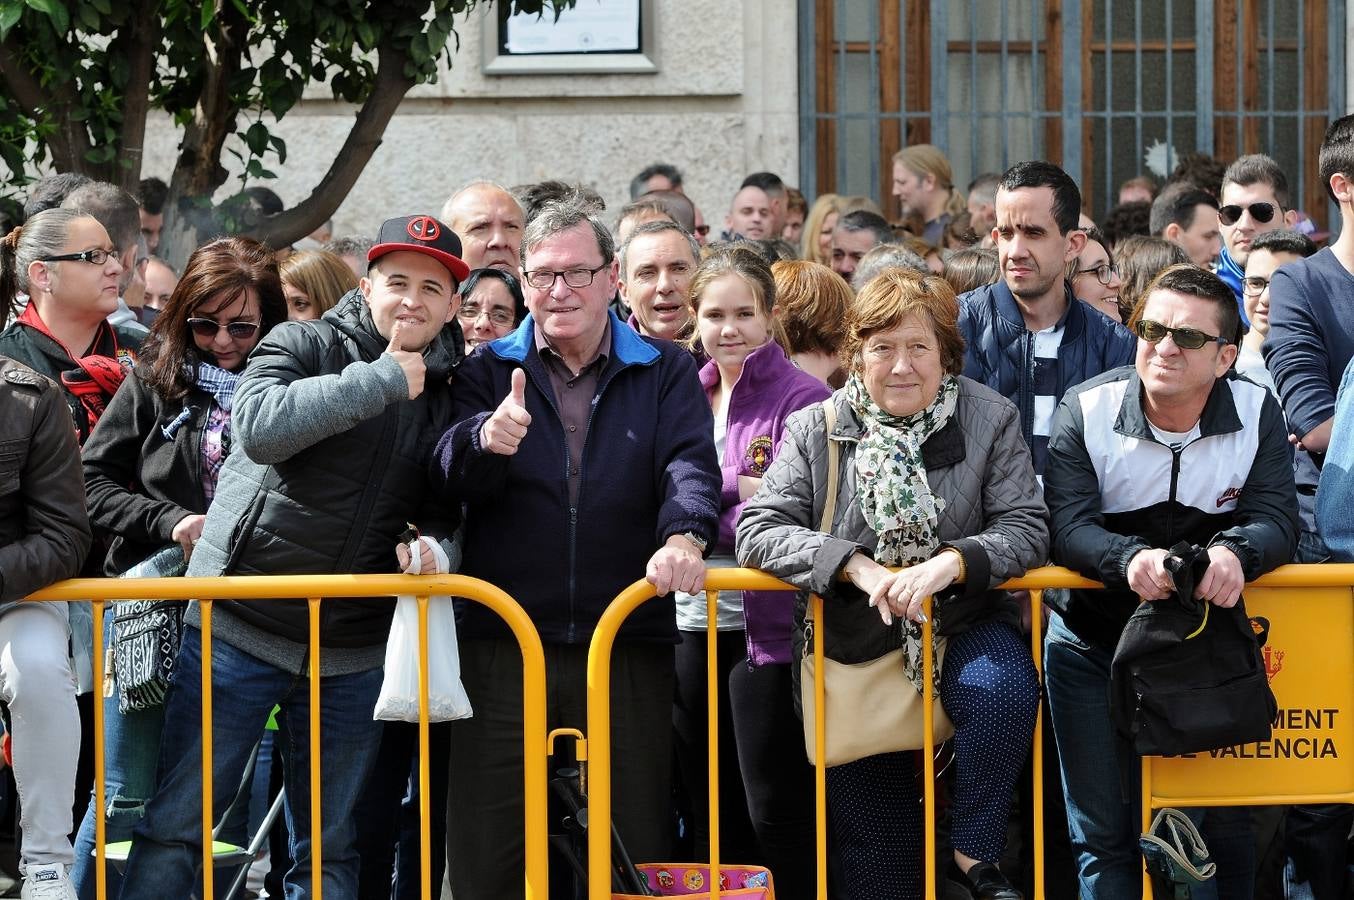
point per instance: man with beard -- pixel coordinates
(1026, 336)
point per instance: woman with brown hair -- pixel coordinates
(811, 302)
(933, 476)
(1139, 260)
(151, 467)
(766, 796)
(313, 281)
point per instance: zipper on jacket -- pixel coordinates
(369, 493)
(1028, 362)
(1170, 500)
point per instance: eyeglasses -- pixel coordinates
(544, 279)
(1185, 338)
(1260, 212)
(98, 256)
(1254, 286)
(1104, 273)
(209, 328)
(469, 312)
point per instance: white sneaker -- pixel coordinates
(47, 882)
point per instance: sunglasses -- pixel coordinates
(208, 328)
(1260, 212)
(1185, 338)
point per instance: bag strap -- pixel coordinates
(833, 458)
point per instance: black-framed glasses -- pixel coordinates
(469, 312)
(208, 328)
(1260, 212)
(1254, 286)
(544, 279)
(1185, 338)
(98, 256)
(1104, 273)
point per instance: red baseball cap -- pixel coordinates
(421, 234)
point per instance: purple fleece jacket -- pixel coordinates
(767, 391)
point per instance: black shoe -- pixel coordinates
(985, 882)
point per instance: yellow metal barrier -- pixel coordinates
(313, 588)
(1223, 778)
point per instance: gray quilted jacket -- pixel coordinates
(994, 515)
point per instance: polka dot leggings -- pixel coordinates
(991, 692)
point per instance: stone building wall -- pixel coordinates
(722, 103)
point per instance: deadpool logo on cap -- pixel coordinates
(423, 228)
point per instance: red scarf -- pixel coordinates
(97, 375)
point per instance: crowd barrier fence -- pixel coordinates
(1317, 695)
(314, 589)
(1315, 651)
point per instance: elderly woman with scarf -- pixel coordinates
(934, 477)
(151, 467)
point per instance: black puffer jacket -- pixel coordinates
(44, 533)
(141, 483)
(329, 464)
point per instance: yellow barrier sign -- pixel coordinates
(1309, 658)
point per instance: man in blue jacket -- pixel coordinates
(584, 455)
(1026, 336)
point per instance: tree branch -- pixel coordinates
(388, 90)
(69, 141)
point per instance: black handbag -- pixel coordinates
(146, 636)
(1187, 676)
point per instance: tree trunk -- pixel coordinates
(189, 217)
(136, 41)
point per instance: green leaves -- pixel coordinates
(54, 10)
(244, 61)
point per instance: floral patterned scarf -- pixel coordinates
(895, 498)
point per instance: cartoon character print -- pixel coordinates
(665, 879)
(757, 458)
(694, 879)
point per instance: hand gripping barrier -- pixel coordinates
(314, 589)
(1311, 613)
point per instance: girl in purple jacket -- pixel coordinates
(766, 792)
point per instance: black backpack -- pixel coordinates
(1187, 676)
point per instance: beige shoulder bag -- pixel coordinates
(874, 707)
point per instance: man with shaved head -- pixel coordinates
(489, 222)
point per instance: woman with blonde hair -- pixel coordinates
(816, 237)
(923, 182)
(811, 303)
(313, 281)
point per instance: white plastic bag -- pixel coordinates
(447, 700)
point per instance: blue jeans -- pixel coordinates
(1102, 784)
(131, 747)
(167, 843)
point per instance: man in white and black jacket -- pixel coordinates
(1174, 448)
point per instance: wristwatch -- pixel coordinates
(696, 539)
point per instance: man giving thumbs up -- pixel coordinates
(584, 457)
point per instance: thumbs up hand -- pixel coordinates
(504, 430)
(415, 370)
